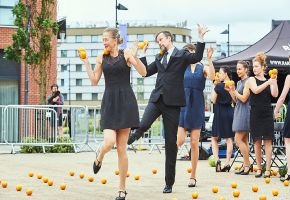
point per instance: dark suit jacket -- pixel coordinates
(169, 81)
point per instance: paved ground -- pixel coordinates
(14, 170)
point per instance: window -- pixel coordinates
(64, 96)
(94, 96)
(140, 81)
(78, 82)
(95, 38)
(183, 38)
(79, 38)
(6, 16)
(79, 96)
(63, 68)
(178, 38)
(62, 82)
(79, 67)
(93, 66)
(63, 53)
(94, 52)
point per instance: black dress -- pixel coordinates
(287, 120)
(223, 113)
(119, 107)
(261, 115)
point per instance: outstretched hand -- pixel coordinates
(202, 30)
(210, 52)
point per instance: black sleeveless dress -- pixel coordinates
(287, 120)
(119, 107)
(261, 115)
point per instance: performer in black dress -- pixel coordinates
(119, 109)
(261, 114)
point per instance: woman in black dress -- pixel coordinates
(285, 92)
(119, 109)
(261, 114)
(223, 119)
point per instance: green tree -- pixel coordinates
(32, 40)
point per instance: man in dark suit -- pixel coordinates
(168, 95)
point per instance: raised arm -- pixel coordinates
(210, 71)
(133, 59)
(94, 75)
(257, 89)
(282, 96)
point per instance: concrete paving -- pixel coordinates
(14, 169)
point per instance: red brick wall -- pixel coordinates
(33, 89)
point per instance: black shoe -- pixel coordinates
(167, 189)
(226, 168)
(285, 178)
(97, 167)
(250, 169)
(218, 166)
(133, 137)
(259, 174)
(122, 195)
(192, 184)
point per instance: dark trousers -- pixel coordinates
(170, 115)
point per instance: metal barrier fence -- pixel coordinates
(1, 124)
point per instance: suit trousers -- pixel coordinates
(170, 115)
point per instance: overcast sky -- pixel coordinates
(249, 19)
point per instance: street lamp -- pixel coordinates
(119, 7)
(227, 31)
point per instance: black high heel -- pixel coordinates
(241, 170)
(285, 178)
(218, 166)
(122, 195)
(226, 168)
(258, 175)
(250, 169)
(97, 167)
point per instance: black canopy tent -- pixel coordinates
(276, 45)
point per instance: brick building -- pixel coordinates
(12, 75)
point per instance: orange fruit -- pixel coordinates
(215, 189)
(215, 82)
(81, 49)
(62, 186)
(71, 173)
(28, 192)
(30, 174)
(275, 173)
(234, 185)
(255, 188)
(4, 184)
(255, 168)
(137, 177)
(232, 83)
(236, 193)
(49, 182)
(82, 54)
(194, 195)
(274, 71)
(18, 187)
(154, 171)
(82, 175)
(189, 170)
(267, 180)
(275, 192)
(227, 83)
(103, 180)
(106, 52)
(221, 198)
(217, 73)
(90, 179)
(117, 172)
(141, 45)
(128, 174)
(262, 197)
(45, 179)
(273, 76)
(146, 42)
(161, 52)
(270, 72)
(39, 176)
(286, 183)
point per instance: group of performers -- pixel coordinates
(178, 97)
